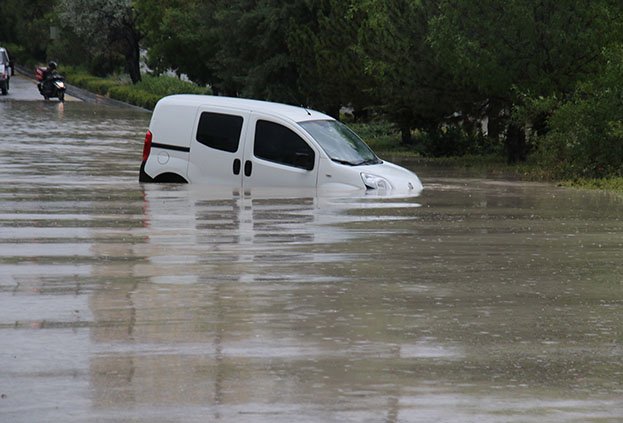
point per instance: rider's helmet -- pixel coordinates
(52, 66)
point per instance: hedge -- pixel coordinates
(144, 94)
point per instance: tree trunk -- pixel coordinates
(495, 123)
(405, 135)
(133, 55)
(516, 146)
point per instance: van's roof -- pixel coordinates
(297, 114)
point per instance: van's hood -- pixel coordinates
(401, 180)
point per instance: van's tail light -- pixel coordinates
(147, 146)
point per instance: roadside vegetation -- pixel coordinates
(529, 87)
(145, 93)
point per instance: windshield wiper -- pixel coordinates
(363, 162)
(367, 162)
(345, 162)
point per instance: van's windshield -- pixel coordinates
(340, 143)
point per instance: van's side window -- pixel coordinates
(276, 143)
(219, 131)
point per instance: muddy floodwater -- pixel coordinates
(481, 300)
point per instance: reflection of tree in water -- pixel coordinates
(174, 294)
(229, 304)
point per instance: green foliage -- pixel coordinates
(27, 23)
(543, 47)
(503, 50)
(454, 141)
(409, 84)
(181, 35)
(18, 54)
(69, 49)
(610, 184)
(586, 137)
(324, 45)
(253, 59)
(106, 63)
(167, 85)
(106, 27)
(144, 94)
(134, 96)
(380, 135)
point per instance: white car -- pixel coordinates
(5, 71)
(244, 143)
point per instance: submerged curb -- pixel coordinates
(82, 94)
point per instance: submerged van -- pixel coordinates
(236, 142)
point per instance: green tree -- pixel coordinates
(180, 35)
(253, 58)
(237, 46)
(106, 25)
(27, 23)
(324, 43)
(411, 86)
(304, 52)
(518, 49)
(586, 136)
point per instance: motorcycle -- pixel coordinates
(51, 84)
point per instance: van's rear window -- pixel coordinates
(220, 131)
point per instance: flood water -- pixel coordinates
(481, 300)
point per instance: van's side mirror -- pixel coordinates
(304, 160)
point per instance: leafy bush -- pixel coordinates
(586, 137)
(76, 75)
(167, 85)
(132, 95)
(144, 94)
(380, 135)
(100, 86)
(17, 54)
(452, 141)
(68, 49)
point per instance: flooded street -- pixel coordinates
(481, 300)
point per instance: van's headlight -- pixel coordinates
(375, 182)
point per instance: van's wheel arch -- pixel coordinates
(171, 178)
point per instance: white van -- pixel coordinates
(245, 143)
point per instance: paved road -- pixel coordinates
(25, 89)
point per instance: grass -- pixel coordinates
(382, 137)
(614, 184)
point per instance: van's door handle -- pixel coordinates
(248, 167)
(237, 167)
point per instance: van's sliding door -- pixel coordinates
(216, 149)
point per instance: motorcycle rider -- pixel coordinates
(48, 73)
(51, 68)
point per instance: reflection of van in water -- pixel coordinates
(248, 143)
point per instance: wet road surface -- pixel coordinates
(478, 301)
(25, 89)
